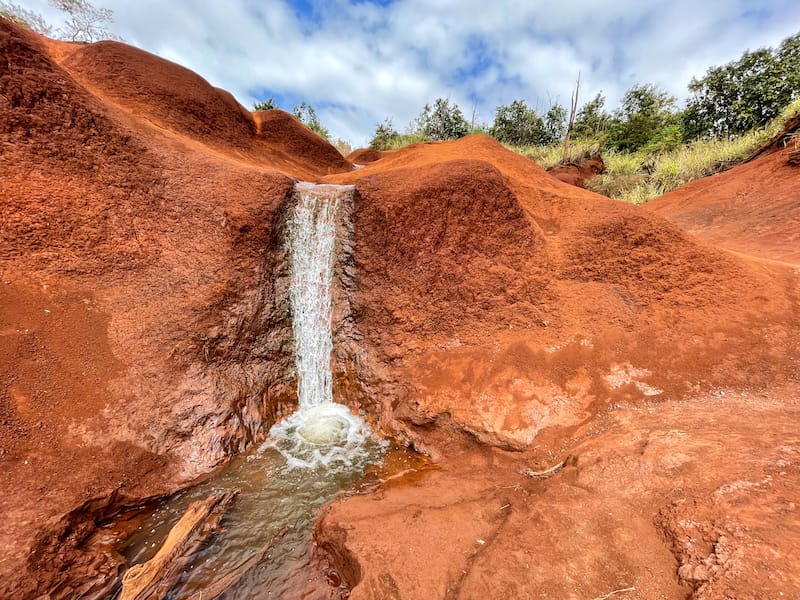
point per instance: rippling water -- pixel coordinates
(273, 495)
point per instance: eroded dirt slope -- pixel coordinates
(141, 328)
(753, 208)
(520, 322)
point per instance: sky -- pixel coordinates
(360, 61)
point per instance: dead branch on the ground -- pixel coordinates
(155, 578)
(615, 592)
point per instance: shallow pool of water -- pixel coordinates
(273, 496)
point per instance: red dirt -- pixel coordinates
(753, 208)
(136, 349)
(579, 173)
(363, 156)
(498, 319)
(509, 310)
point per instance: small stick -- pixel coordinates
(547, 472)
(615, 592)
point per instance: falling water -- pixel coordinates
(321, 434)
(312, 236)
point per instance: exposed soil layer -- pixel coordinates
(753, 208)
(363, 156)
(578, 173)
(521, 321)
(500, 320)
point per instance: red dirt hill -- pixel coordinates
(363, 156)
(136, 243)
(753, 208)
(496, 318)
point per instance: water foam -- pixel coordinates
(327, 437)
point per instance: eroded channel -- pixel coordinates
(308, 459)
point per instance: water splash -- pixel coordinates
(321, 434)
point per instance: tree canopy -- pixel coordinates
(308, 116)
(443, 121)
(743, 94)
(644, 115)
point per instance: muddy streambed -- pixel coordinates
(276, 503)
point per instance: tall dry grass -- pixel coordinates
(638, 177)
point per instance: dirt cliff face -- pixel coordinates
(509, 303)
(142, 290)
(608, 401)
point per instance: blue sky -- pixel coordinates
(358, 62)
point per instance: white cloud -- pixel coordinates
(361, 63)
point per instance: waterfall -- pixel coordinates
(322, 433)
(312, 235)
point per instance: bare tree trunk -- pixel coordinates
(573, 109)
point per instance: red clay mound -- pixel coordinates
(288, 137)
(497, 304)
(153, 91)
(167, 94)
(753, 208)
(131, 266)
(579, 173)
(462, 254)
(363, 156)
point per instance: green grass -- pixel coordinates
(550, 156)
(402, 139)
(638, 177)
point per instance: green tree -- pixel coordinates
(268, 104)
(385, 136)
(555, 123)
(308, 116)
(518, 124)
(592, 120)
(644, 114)
(788, 56)
(744, 94)
(443, 121)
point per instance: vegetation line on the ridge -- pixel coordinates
(648, 144)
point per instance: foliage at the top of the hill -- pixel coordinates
(745, 93)
(649, 144)
(726, 103)
(643, 175)
(83, 22)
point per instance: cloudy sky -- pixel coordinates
(360, 61)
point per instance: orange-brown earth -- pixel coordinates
(490, 315)
(579, 172)
(753, 208)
